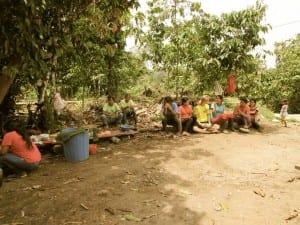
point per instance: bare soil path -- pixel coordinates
(154, 178)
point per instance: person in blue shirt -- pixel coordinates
(218, 107)
(218, 114)
(170, 114)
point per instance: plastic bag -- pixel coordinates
(58, 103)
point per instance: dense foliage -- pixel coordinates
(283, 82)
(77, 47)
(67, 44)
(196, 48)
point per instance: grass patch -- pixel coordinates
(231, 102)
(266, 113)
(292, 120)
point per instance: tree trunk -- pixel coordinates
(111, 78)
(5, 82)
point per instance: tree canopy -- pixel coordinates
(191, 45)
(78, 47)
(283, 82)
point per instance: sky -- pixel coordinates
(282, 15)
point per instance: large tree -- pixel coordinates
(283, 82)
(198, 48)
(36, 35)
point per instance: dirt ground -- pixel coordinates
(159, 178)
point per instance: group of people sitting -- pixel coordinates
(19, 153)
(113, 113)
(209, 115)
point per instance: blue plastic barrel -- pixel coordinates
(77, 147)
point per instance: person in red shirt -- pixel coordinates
(17, 152)
(186, 116)
(241, 114)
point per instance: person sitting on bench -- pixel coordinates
(111, 112)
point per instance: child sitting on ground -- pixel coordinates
(253, 114)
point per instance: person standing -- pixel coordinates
(284, 112)
(17, 151)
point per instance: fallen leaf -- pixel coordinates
(110, 210)
(224, 206)
(36, 186)
(84, 206)
(134, 189)
(259, 192)
(292, 215)
(72, 180)
(293, 179)
(221, 207)
(72, 222)
(124, 182)
(131, 217)
(147, 217)
(125, 210)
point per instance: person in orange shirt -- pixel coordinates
(186, 116)
(17, 152)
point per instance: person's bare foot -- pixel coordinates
(184, 133)
(244, 130)
(197, 129)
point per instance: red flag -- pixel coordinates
(231, 85)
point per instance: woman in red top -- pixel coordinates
(17, 152)
(186, 116)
